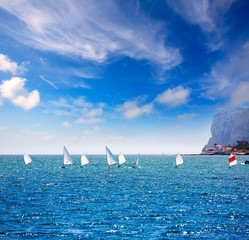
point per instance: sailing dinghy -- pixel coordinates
(137, 165)
(27, 159)
(179, 160)
(67, 158)
(232, 160)
(110, 158)
(121, 159)
(84, 160)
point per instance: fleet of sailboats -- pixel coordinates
(111, 159)
(27, 159)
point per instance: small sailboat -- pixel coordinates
(110, 158)
(179, 159)
(27, 159)
(137, 165)
(232, 160)
(67, 158)
(121, 159)
(84, 160)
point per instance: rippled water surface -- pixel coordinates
(203, 199)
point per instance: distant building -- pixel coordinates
(227, 149)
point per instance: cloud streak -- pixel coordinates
(95, 30)
(209, 15)
(229, 78)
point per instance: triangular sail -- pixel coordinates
(179, 159)
(84, 160)
(27, 159)
(121, 159)
(137, 161)
(110, 158)
(232, 160)
(67, 158)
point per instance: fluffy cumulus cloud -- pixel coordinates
(93, 30)
(174, 97)
(6, 65)
(14, 90)
(130, 109)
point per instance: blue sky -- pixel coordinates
(136, 76)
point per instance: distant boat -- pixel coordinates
(67, 158)
(27, 159)
(121, 159)
(232, 160)
(84, 160)
(179, 159)
(137, 165)
(110, 158)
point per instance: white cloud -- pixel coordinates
(38, 134)
(83, 120)
(209, 15)
(49, 82)
(79, 108)
(174, 97)
(228, 76)
(6, 65)
(93, 112)
(93, 30)
(14, 90)
(66, 124)
(130, 109)
(240, 95)
(2, 128)
(186, 116)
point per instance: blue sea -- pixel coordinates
(201, 199)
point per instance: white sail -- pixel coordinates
(121, 159)
(110, 158)
(137, 161)
(27, 159)
(67, 158)
(179, 159)
(84, 160)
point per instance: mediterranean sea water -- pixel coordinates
(201, 199)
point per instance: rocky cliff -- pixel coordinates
(229, 126)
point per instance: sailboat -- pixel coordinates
(84, 160)
(121, 159)
(179, 160)
(232, 160)
(27, 159)
(67, 158)
(137, 165)
(110, 158)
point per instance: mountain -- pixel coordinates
(229, 126)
